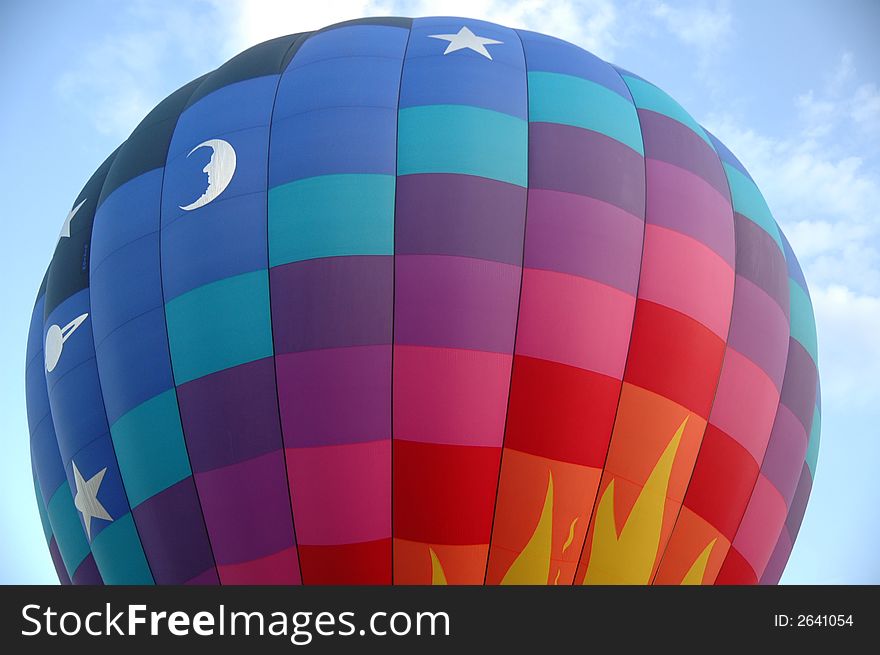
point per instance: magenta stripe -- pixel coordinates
(759, 329)
(673, 142)
(456, 302)
(570, 233)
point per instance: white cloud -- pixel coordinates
(823, 187)
(849, 347)
(696, 25)
(588, 23)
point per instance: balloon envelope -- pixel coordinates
(422, 301)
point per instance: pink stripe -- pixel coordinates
(450, 396)
(574, 321)
(745, 403)
(685, 202)
(341, 494)
(683, 274)
(761, 525)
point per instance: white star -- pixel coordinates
(466, 39)
(65, 228)
(86, 499)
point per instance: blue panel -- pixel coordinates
(464, 76)
(185, 179)
(46, 458)
(237, 106)
(35, 387)
(337, 140)
(336, 111)
(353, 41)
(546, 53)
(339, 82)
(125, 285)
(74, 390)
(129, 213)
(134, 363)
(225, 239)
(91, 460)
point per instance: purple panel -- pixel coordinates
(759, 329)
(332, 302)
(87, 572)
(778, 560)
(208, 577)
(335, 395)
(58, 562)
(247, 508)
(668, 140)
(566, 158)
(784, 458)
(231, 415)
(684, 202)
(760, 260)
(464, 215)
(799, 502)
(456, 302)
(583, 236)
(799, 385)
(173, 534)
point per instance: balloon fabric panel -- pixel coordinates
(422, 301)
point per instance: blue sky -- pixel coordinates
(790, 86)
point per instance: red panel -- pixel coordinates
(674, 356)
(444, 494)
(735, 570)
(560, 412)
(722, 481)
(350, 564)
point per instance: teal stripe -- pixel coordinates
(462, 139)
(748, 201)
(647, 96)
(118, 554)
(330, 216)
(813, 445)
(69, 533)
(220, 325)
(569, 100)
(44, 516)
(803, 321)
(150, 447)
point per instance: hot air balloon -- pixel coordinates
(421, 301)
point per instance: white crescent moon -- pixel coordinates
(220, 170)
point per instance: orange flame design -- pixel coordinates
(628, 557)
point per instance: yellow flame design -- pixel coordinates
(628, 557)
(438, 577)
(556, 579)
(532, 565)
(570, 534)
(698, 568)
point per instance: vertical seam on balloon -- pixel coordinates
(779, 404)
(101, 386)
(631, 331)
(662, 553)
(296, 42)
(35, 474)
(394, 273)
(168, 340)
(522, 265)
